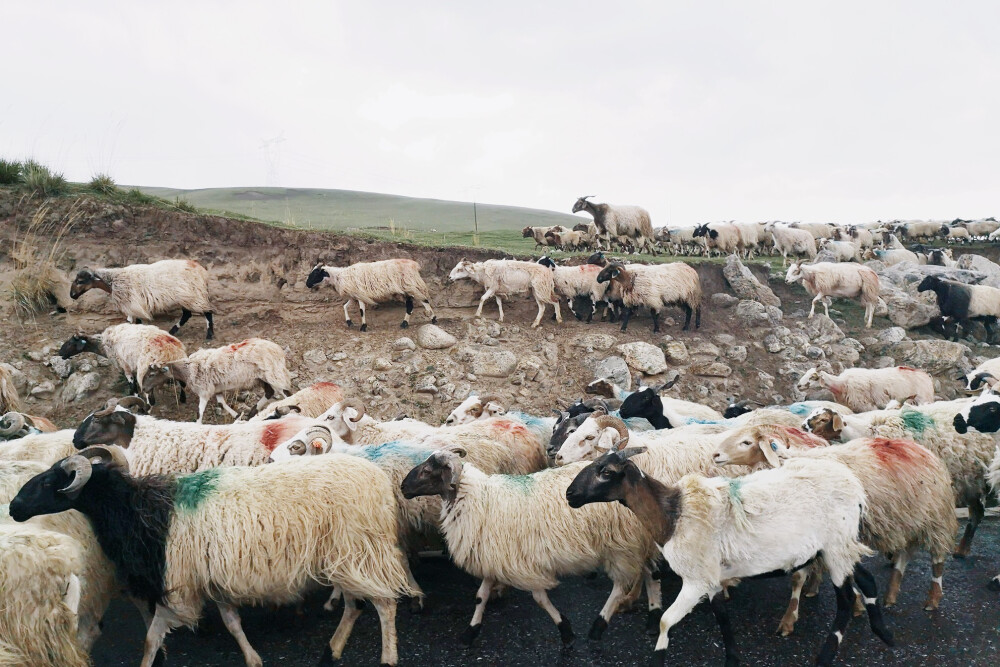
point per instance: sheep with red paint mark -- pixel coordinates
(134, 348)
(910, 501)
(863, 389)
(158, 446)
(312, 401)
(249, 364)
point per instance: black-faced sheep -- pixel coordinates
(965, 302)
(655, 287)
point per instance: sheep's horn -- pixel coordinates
(11, 423)
(107, 454)
(108, 408)
(489, 398)
(357, 405)
(318, 431)
(283, 410)
(607, 421)
(626, 454)
(80, 468)
(130, 401)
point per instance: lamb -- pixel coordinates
(984, 375)
(615, 221)
(723, 236)
(826, 280)
(159, 446)
(711, 530)
(518, 531)
(539, 234)
(910, 502)
(789, 241)
(577, 281)
(134, 348)
(939, 257)
(236, 536)
(312, 401)
(142, 291)
(655, 287)
(863, 389)
(370, 283)
(252, 363)
(965, 302)
(568, 240)
(843, 251)
(506, 277)
(941, 428)
(663, 411)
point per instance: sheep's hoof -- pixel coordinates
(210, 335)
(659, 658)
(364, 327)
(434, 320)
(174, 329)
(350, 323)
(470, 633)
(327, 659)
(653, 621)
(598, 628)
(416, 605)
(161, 658)
(404, 325)
(565, 631)
(994, 584)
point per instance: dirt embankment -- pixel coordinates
(258, 273)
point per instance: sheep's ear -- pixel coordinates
(769, 448)
(838, 422)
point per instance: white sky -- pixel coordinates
(842, 111)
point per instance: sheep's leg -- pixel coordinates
(869, 315)
(231, 619)
(626, 316)
(656, 320)
(210, 334)
(488, 294)
(202, 404)
(352, 609)
(686, 600)
(347, 313)
(787, 624)
(607, 611)
(869, 593)
(555, 304)
(726, 628)
(898, 569)
(845, 600)
(976, 512)
(482, 597)
(386, 608)
(185, 316)
(654, 599)
(818, 297)
(409, 309)
(687, 316)
(331, 602)
(593, 310)
(500, 308)
(826, 305)
(936, 592)
(430, 311)
(364, 320)
(541, 312)
(565, 631)
(814, 579)
(158, 629)
(222, 401)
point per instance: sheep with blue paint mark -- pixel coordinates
(236, 536)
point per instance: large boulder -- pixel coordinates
(595, 341)
(751, 314)
(494, 363)
(80, 386)
(934, 356)
(644, 357)
(908, 308)
(614, 369)
(746, 285)
(821, 330)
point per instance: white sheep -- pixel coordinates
(134, 348)
(893, 256)
(984, 375)
(750, 237)
(632, 223)
(714, 530)
(655, 287)
(237, 536)
(941, 428)
(577, 281)
(474, 408)
(983, 228)
(507, 277)
(311, 401)
(863, 389)
(789, 241)
(370, 283)
(919, 230)
(910, 501)
(843, 251)
(819, 230)
(518, 531)
(142, 291)
(722, 236)
(44, 447)
(826, 280)
(570, 240)
(956, 233)
(249, 364)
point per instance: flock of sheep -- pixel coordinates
(310, 490)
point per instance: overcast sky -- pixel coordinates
(840, 111)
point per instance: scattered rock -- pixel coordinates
(595, 341)
(814, 352)
(615, 369)
(43, 389)
(61, 367)
(710, 369)
(746, 285)
(703, 348)
(433, 337)
(933, 356)
(315, 356)
(530, 367)
(772, 344)
(752, 314)
(676, 352)
(891, 336)
(338, 356)
(724, 339)
(723, 300)
(822, 330)
(80, 385)
(494, 363)
(381, 364)
(737, 353)
(644, 357)
(404, 343)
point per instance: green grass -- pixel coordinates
(39, 180)
(10, 172)
(102, 184)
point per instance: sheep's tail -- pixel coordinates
(869, 287)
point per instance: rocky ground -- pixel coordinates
(754, 341)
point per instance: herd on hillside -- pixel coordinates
(310, 489)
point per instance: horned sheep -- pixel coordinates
(142, 291)
(518, 531)
(134, 348)
(311, 401)
(826, 280)
(614, 221)
(370, 283)
(177, 541)
(910, 502)
(249, 364)
(654, 287)
(712, 530)
(864, 389)
(506, 277)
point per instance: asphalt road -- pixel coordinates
(964, 631)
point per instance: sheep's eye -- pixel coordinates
(589, 437)
(297, 448)
(745, 443)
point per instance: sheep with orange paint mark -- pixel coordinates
(910, 501)
(311, 401)
(863, 389)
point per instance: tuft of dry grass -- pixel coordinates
(38, 284)
(103, 184)
(10, 172)
(37, 179)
